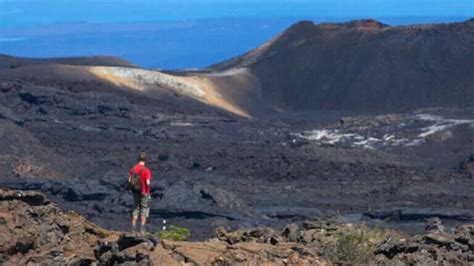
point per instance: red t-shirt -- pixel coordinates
(145, 175)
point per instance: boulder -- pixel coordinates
(257, 235)
(434, 225)
(291, 232)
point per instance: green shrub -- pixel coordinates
(175, 233)
(354, 244)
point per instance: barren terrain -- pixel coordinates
(230, 145)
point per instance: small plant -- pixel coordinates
(354, 244)
(175, 233)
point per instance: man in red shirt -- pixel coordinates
(141, 200)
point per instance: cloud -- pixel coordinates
(13, 11)
(12, 39)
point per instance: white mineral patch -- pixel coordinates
(400, 136)
(149, 77)
(88, 128)
(229, 72)
(327, 136)
(181, 124)
(368, 143)
(440, 124)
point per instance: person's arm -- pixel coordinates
(148, 177)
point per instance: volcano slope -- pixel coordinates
(221, 157)
(364, 66)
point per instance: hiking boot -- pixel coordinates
(134, 230)
(142, 230)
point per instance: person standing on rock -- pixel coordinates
(139, 180)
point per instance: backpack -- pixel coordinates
(136, 181)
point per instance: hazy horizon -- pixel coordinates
(187, 34)
(15, 13)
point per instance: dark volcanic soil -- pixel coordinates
(211, 169)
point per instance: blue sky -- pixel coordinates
(14, 13)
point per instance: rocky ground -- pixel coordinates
(254, 142)
(75, 142)
(34, 230)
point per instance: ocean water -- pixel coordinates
(164, 45)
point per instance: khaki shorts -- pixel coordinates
(141, 205)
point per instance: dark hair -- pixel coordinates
(142, 157)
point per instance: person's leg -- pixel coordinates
(136, 210)
(145, 211)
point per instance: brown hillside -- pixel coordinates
(360, 66)
(232, 91)
(364, 66)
